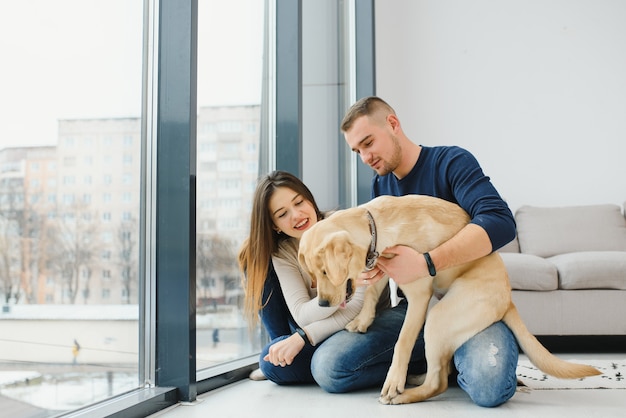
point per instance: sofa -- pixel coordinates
(567, 269)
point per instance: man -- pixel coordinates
(372, 130)
(487, 362)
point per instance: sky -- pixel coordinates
(68, 59)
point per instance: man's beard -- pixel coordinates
(394, 161)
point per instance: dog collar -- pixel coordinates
(372, 255)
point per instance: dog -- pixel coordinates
(472, 296)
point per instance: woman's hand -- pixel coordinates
(369, 277)
(283, 352)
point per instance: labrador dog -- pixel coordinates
(472, 296)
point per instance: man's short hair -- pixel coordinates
(365, 106)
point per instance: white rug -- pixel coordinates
(613, 376)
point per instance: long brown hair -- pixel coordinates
(256, 251)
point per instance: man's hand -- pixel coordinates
(403, 264)
(283, 352)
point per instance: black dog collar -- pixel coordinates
(372, 255)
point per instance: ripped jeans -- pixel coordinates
(348, 361)
(486, 363)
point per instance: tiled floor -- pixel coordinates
(265, 399)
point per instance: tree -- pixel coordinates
(11, 215)
(75, 247)
(215, 263)
(127, 234)
(9, 259)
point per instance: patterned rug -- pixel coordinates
(613, 376)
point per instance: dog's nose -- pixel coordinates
(323, 302)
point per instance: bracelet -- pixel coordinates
(431, 266)
(301, 332)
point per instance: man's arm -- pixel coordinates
(470, 243)
(460, 179)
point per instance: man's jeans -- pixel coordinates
(349, 361)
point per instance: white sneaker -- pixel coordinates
(257, 374)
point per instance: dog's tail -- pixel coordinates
(539, 355)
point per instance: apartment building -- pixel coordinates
(74, 208)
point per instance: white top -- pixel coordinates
(318, 322)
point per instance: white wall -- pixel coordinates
(535, 89)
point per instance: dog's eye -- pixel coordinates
(324, 272)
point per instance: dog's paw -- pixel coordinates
(353, 326)
(393, 398)
(391, 389)
(399, 399)
(359, 324)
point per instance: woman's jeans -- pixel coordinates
(348, 361)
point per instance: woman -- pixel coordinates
(308, 343)
(277, 289)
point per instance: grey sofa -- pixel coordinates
(567, 269)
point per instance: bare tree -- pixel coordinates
(9, 259)
(34, 224)
(215, 263)
(11, 214)
(75, 246)
(127, 257)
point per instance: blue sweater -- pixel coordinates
(453, 174)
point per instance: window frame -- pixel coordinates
(167, 250)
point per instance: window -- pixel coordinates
(68, 199)
(84, 61)
(85, 130)
(228, 123)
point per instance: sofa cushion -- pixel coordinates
(550, 231)
(591, 270)
(511, 247)
(529, 272)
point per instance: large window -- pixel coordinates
(133, 134)
(228, 143)
(70, 142)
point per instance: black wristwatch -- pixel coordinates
(431, 266)
(303, 335)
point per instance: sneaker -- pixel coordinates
(257, 374)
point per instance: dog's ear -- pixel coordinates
(337, 254)
(305, 267)
(302, 261)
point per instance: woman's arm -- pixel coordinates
(318, 322)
